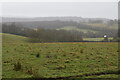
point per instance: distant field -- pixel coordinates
(46, 60)
(70, 28)
(98, 25)
(96, 39)
(115, 26)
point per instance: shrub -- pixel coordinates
(30, 70)
(37, 55)
(64, 55)
(17, 66)
(48, 56)
(81, 50)
(67, 61)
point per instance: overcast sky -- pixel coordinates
(46, 9)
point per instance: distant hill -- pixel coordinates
(10, 38)
(87, 26)
(71, 18)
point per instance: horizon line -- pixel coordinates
(53, 16)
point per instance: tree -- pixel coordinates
(48, 35)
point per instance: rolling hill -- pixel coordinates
(85, 27)
(10, 38)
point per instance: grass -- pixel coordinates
(10, 38)
(70, 28)
(114, 26)
(104, 76)
(96, 39)
(57, 59)
(98, 25)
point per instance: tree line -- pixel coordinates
(42, 35)
(48, 35)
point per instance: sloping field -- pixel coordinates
(10, 38)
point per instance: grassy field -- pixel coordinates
(70, 28)
(51, 60)
(115, 26)
(96, 39)
(9, 38)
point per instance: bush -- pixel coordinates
(17, 66)
(81, 51)
(37, 55)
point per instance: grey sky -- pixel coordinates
(45, 9)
